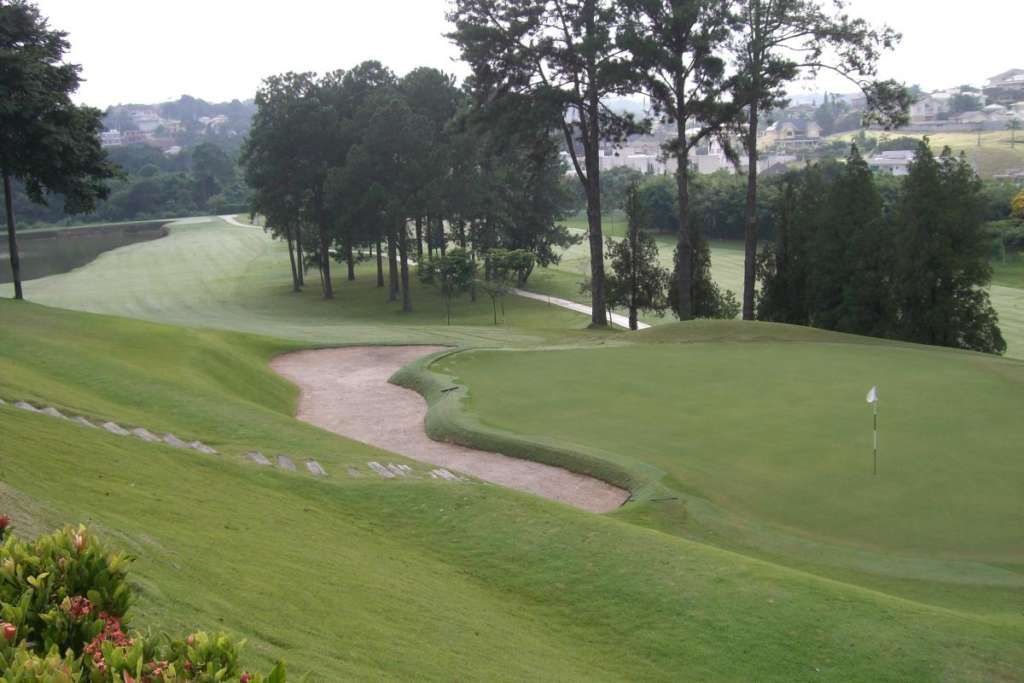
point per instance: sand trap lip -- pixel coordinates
(346, 391)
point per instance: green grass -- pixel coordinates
(1009, 272)
(763, 432)
(780, 559)
(367, 579)
(207, 273)
(563, 280)
(993, 156)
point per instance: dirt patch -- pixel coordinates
(346, 391)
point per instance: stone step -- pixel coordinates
(53, 412)
(315, 469)
(381, 470)
(257, 458)
(26, 406)
(173, 441)
(115, 428)
(202, 448)
(146, 435)
(82, 421)
(285, 463)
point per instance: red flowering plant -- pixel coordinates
(64, 617)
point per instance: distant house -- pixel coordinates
(1006, 88)
(111, 138)
(929, 108)
(892, 163)
(792, 132)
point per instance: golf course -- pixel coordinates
(755, 544)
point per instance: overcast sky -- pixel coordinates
(144, 51)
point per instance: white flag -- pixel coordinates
(873, 395)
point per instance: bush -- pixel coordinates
(64, 602)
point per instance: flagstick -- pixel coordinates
(876, 438)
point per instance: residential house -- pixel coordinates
(929, 108)
(892, 163)
(1006, 88)
(792, 132)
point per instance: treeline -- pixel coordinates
(200, 180)
(362, 162)
(912, 268)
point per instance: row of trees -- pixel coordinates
(708, 66)
(912, 268)
(352, 162)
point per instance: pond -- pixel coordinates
(52, 251)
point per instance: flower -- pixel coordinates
(5, 522)
(10, 631)
(78, 540)
(245, 678)
(77, 606)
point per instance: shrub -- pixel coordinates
(64, 602)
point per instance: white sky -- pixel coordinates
(144, 51)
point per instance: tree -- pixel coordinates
(47, 142)
(561, 52)
(1017, 206)
(776, 41)
(675, 46)
(944, 268)
(638, 282)
(453, 275)
(850, 274)
(212, 170)
(962, 102)
(503, 271)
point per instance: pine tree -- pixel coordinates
(944, 267)
(638, 283)
(851, 287)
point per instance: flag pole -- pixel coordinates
(876, 438)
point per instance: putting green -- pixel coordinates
(779, 431)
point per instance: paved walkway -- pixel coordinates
(616, 319)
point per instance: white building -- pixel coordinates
(892, 163)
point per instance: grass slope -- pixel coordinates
(369, 579)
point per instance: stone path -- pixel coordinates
(283, 461)
(346, 391)
(616, 319)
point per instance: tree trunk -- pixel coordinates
(291, 258)
(750, 233)
(12, 237)
(380, 264)
(419, 238)
(325, 263)
(403, 249)
(684, 258)
(300, 258)
(392, 269)
(351, 260)
(440, 236)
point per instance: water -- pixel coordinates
(50, 252)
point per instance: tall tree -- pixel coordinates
(639, 283)
(47, 142)
(943, 249)
(851, 273)
(778, 40)
(676, 46)
(561, 51)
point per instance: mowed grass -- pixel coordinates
(365, 579)
(208, 273)
(563, 280)
(764, 434)
(992, 153)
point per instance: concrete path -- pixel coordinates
(616, 319)
(346, 391)
(233, 221)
